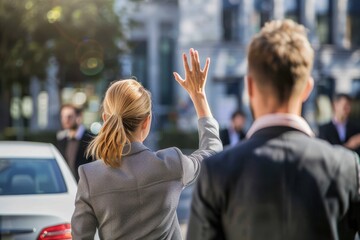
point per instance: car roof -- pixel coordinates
(21, 149)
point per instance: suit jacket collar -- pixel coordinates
(350, 130)
(133, 148)
(334, 132)
(274, 132)
(280, 120)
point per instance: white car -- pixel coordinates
(37, 192)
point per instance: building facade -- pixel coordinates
(225, 27)
(152, 38)
(161, 30)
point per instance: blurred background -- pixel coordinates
(54, 52)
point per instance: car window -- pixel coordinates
(30, 176)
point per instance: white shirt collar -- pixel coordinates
(233, 137)
(65, 133)
(341, 129)
(80, 132)
(280, 119)
(336, 123)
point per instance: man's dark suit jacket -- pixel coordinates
(329, 133)
(81, 152)
(279, 184)
(225, 136)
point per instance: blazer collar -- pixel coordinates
(281, 120)
(133, 148)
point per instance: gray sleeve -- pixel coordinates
(83, 221)
(209, 144)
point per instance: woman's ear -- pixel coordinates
(146, 122)
(103, 116)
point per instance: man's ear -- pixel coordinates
(249, 81)
(308, 88)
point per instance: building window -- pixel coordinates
(355, 88)
(324, 14)
(230, 20)
(355, 110)
(139, 58)
(234, 87)
(325, 90)
(166, 59)
(326, 86)
(353, 23)
(166, 65)
(263, 11)
(292, 10)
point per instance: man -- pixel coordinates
(73, 140)
(282, 182)
(340, 130)
(235, 132)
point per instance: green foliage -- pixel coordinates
(10, 134)
(81, 34)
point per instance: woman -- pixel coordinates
(132, 192)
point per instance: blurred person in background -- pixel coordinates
(281, 182)
(340, 130)
(233, 134)
(132, 192)
(74, 138)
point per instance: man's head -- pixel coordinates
(238, 120)
(280, 60)
(70, 117)
(342, 107)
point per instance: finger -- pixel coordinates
(197, 57)
(178, 78)
(206, 67)
(197, 60)
(193, 59)
(186, 64)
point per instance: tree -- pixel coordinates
(82, 35)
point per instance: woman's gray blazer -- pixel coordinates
(139, 199)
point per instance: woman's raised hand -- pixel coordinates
(195, 77)
(194, 82)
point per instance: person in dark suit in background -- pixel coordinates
(73, 140)
(281, 182)
(235, 132)
(340, 130)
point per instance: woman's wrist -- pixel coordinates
(201, 105)
(197, 95)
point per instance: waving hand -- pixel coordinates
(195, 81)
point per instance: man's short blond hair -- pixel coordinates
(280, 58)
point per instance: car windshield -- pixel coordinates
(30, 176)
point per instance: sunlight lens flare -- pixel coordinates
(54, 14)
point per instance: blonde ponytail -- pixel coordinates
(126, 105)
